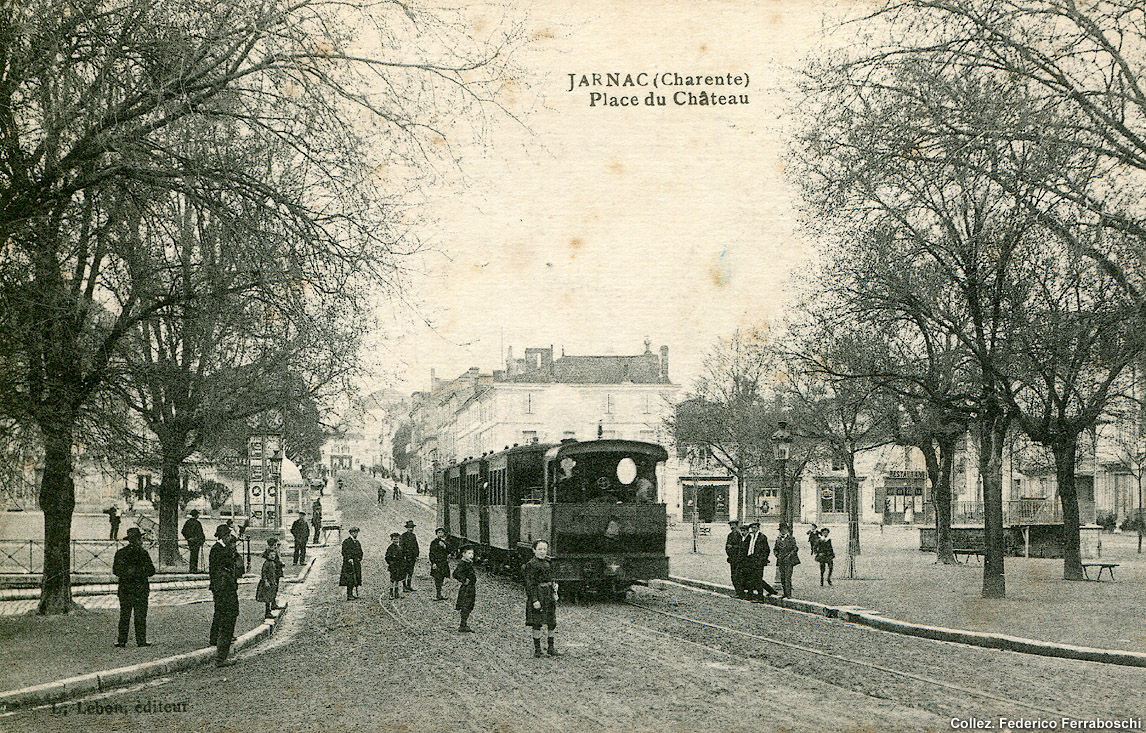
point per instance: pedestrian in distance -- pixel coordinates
(113, 519)
(467, 588)
(225, 568)
(300, 531)
(397, 492)
(734, 552)
(351, 575)
(193, 533)
(825, 555)
(787, 558)
(813, 538)
(268, 588)
(412, 551)
(381, 494)
(132, 566)
(756, 558)
(439, 555)
(540, 597)
(395, 564)
(316, 519)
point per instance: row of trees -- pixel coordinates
(978, 178)
(199, 202)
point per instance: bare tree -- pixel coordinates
(96, 99)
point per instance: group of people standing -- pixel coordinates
(748, 553)
(401, 558)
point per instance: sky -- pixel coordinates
(592, 228)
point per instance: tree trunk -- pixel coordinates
(1065, 458)
(58, 501)
(939, 464)
(853, 515)
(992, 432)
(169, 510)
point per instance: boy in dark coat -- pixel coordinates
(786, 558)
(825, 555)
(467, 591)
(411, 550)
(540, 597)
(395, 564)
(351, 575)
(439, 561)
(132, 566)
(300, 530)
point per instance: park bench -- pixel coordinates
(967, 553)
(1107, 566)
(330, 526)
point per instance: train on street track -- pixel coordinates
(595, 503)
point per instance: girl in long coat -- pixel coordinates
(268, 588)
(540, 597)
(825, 555)
(351, 576)
(467, 592)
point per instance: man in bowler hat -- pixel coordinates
(225, 567)
(132, 566)
(193, 533)
(411, 551)
(300, 530)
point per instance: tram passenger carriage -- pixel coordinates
(595, 502)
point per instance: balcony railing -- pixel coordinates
(1023, 511)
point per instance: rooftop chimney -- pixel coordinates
(664, 363)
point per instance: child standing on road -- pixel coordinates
(395, 564)
(825, 555)
(540, 597)
(268, 588)
(467, 592)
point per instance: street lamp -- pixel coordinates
(275, 485)
(781, 448)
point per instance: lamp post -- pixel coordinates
(274, 488)
(781, 447)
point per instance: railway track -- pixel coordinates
(869, 667)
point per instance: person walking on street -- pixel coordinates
(412, 551)
(395, 564)
(225, 568)
(540, 597)
(113, 521)
(316, 519)
(439, 555)
(756, 558)
(787, 558)
(397, 492)
(351, 575)
(734, 552)
(268, 588)
(300, 530)
(381, 494)
(193, 533)
(467, 590)
(825, 555)
(132, 566)
(813, 538)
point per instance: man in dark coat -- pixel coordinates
(411, 550)
(113, 520)
(381, 494)
(132, 566)
(193, 533)
(787, 558)
(351, 575)
(316, 519)
(439, 555)
(756, 554)
(225, 567)
(300, 530)
(395, 564)
(734, 552)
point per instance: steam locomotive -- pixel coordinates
(595, 502)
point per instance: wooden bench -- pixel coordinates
(1107, 566)
(330, 527)
(967, 553)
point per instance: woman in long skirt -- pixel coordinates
(467, 591)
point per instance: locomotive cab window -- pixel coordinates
(605, 478)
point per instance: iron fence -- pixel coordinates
(1022, 511)
(87, 556)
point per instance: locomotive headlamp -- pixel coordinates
(626, 470)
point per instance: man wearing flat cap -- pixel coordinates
(756, 554)
(300, 530)
(351, 575)
(410, 551)
(132, 566)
